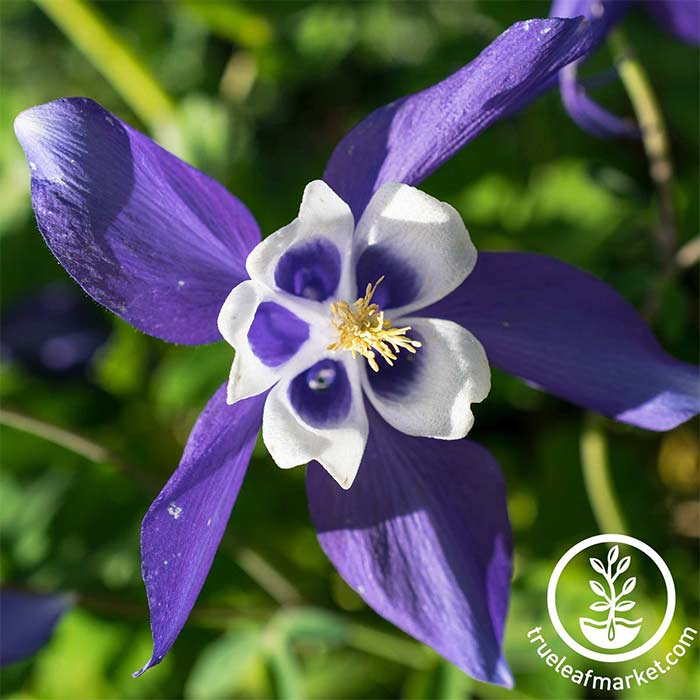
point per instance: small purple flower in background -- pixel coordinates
(679, 17)
(27, 621)
(55, 332)
(374, 292)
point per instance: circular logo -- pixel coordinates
(610, 627)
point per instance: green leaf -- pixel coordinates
(233, 21)
(443, 681)
(120, 366)
(285, 672)
(311, 625)
(75, 663)
(28, 509)
(188, 377)
(223, 666)
(284, 632)
(326, 33)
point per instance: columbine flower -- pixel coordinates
(422, 533)
(679, 17)
(329, 317)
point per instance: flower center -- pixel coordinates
(363, 330)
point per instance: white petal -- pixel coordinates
(425, 235)
(291, 442)
(322, 214)
(249, 376)
(452, 372)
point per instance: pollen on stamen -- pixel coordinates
(363, 330)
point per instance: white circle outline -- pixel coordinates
(580, 547)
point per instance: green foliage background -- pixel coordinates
(257, 94)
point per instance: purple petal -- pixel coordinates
(321, 395)
(182, 529)
(587, 113)
(156, 241)
(395, 382)
(310, 270)
(574, 336)
(276, 334)
(680, 17)
(423, 536)
(407, 140)
(27, 622)
(400, 280)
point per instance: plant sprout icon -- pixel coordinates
(614, 632)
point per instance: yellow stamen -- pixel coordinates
(363, 330)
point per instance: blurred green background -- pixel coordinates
(257, 94)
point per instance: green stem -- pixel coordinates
(70, 441)
(387, 646)
(597, 480)
(202, 616)
(656, 145)
(91, 33)
(258, 568)
(453, 684)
